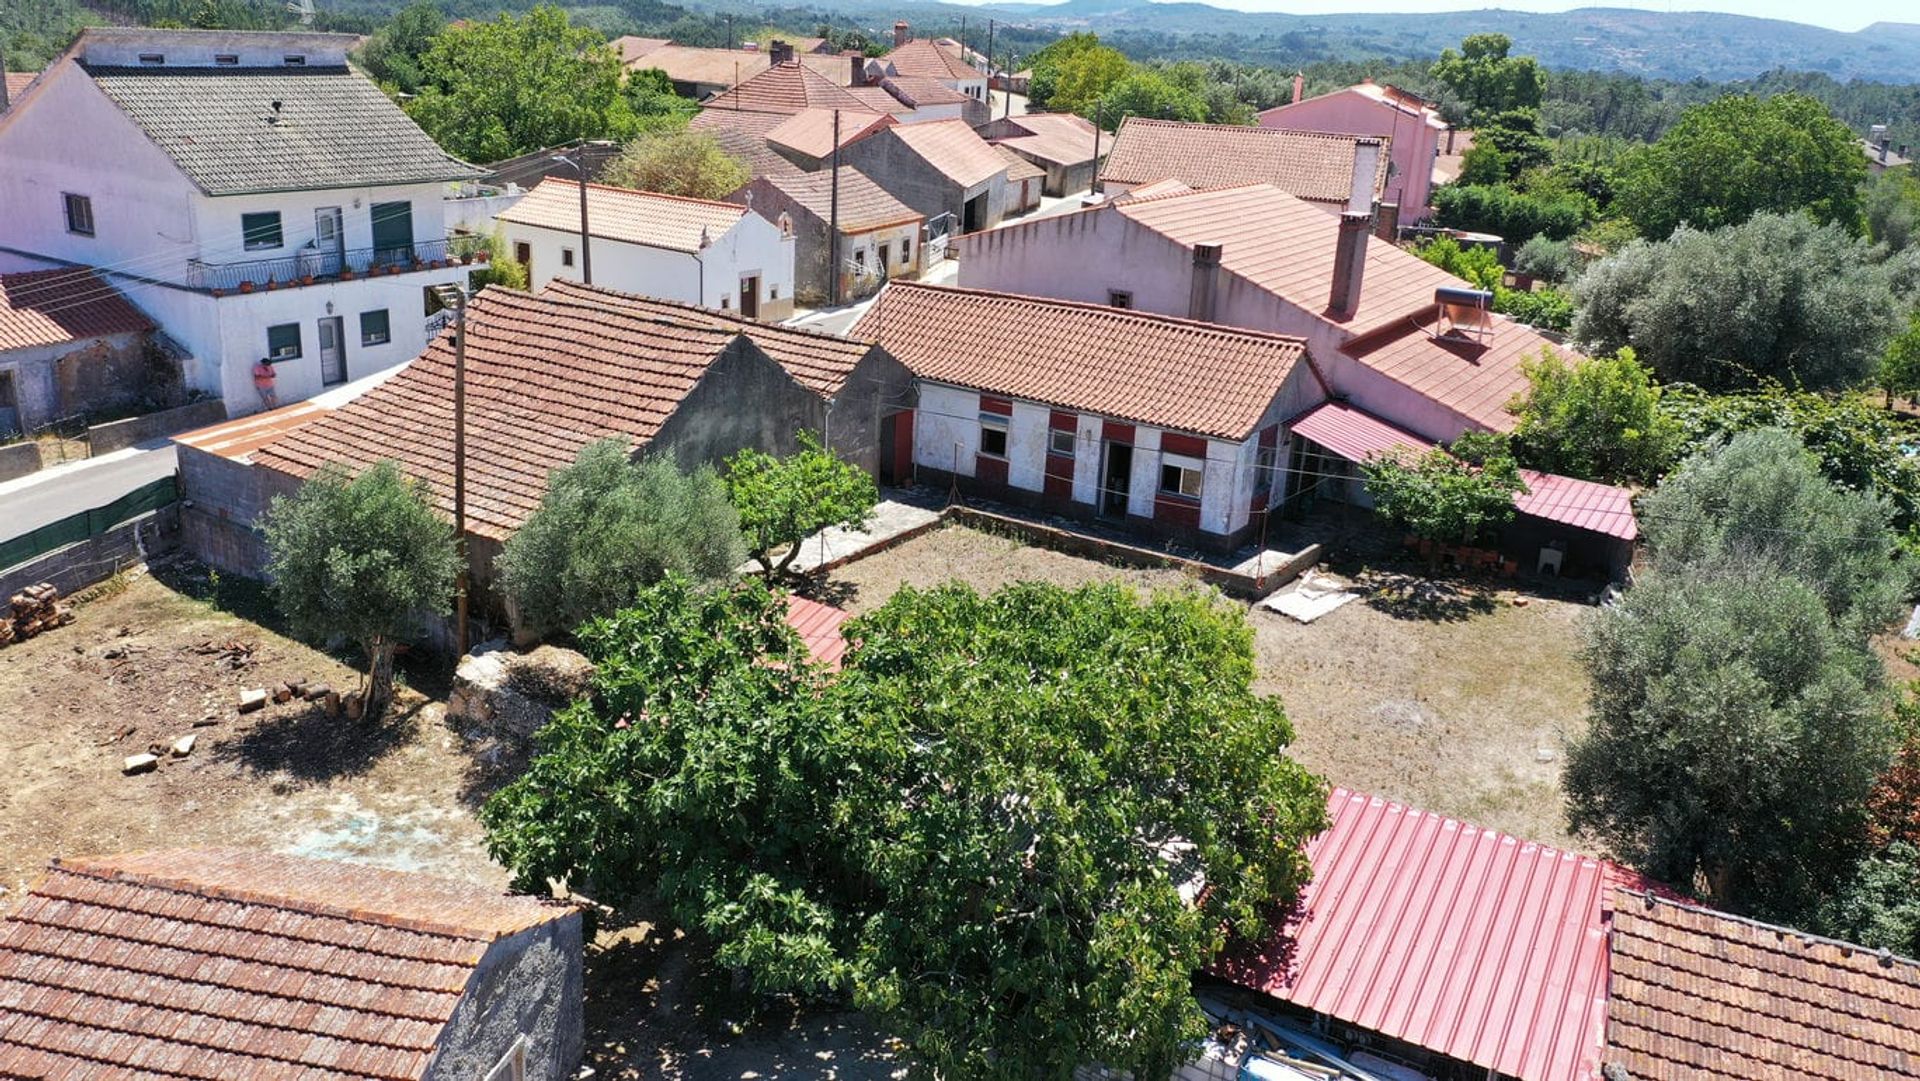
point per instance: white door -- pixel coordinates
(329, 237)
(333, 356)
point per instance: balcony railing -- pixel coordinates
(311, 265)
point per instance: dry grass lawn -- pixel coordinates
(1456, 701)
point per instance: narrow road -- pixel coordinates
(30, 502)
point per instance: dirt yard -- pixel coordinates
(140, 667)
(1450, 699)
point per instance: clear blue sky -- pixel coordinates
(1834, 14)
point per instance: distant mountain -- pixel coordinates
(1677, 45)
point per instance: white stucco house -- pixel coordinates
(697, 251)
(252, 194)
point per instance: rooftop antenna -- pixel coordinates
(302, 8)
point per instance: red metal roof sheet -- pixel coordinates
(236, 439)
(819, 627)
(1462, 940)
(1582, 504)
(1354, 435)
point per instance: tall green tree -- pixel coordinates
(1900, 366)
(1762, 497)
(1073, 74)
(362, 558)
(1738, 156)
(393, 53)
(1735, 734)
(1777, 297)
(608, 525)
(492, 90)
(1487, 80)
(1597, 418)
(1148, 93)
(982, 832)
(783, 501)
(689, 163)
(1892, 203)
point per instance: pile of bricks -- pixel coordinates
(34, 609)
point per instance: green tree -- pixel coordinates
(1547, 259)
(1892, 204)
(1485, 166)
(1878, 905)
(392, 53)
(1900, 367)
(1515, 135)
(1487, 80)
(1598, 418)
(1073, 74)
(1730, 159)
(981, 832)
(608, 525)
(1514, 215)
(500, 268)
(1774, 298)
(1442, 497)
(492, 90)
(1148, 93)
(1734, 735)
(783, 501)
(655, 107)
(1477, 266)
(1762, 496)
(689, 163)
(362, 558)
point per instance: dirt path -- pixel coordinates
(139, 667)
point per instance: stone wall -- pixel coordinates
(528, 987)
(115, 435)
(19, 459)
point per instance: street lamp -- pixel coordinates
(586, 256)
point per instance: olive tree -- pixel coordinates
(783, 501)
(1011, 828)
(363, 558)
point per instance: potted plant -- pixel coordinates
(306, 279)
(346, 273)
(246, 286)
(483, 255)
(218, 292)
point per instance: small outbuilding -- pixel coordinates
(1067, 147)
(939, 168)
(69, 343)
(224, 963)
(879, 235)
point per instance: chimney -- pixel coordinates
(1299, 86)
(900, 35)
(781, 51)
(1386, 221)
(1206, 282)
(1366, 169)
(1349, 262)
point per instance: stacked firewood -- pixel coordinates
(34, 609)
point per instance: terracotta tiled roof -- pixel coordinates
(818, 625)
(547, 374)
(760, 158)
(52, 307)
(1059, 138)
(725, 67)
(920, 91)
(1480, 946)
(17, 82)
(864, 205)
(221, 964)
(1476, 378)
(786, 88)
(925, 59)
(952, 148)
(876, 99)
(819, 361)
(1018, 168)
(672, 222)
(811, 132)
(1151, 189)
(736, 120)
(1311, 165)
(333, 128)
(1701, 995)
(1151, 369)
(632, 48)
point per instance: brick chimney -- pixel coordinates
(1299, 86)
(780, 51)
(858, 76)
(900, 34)
(1349, 262)
(1366, 169)
(1202, 301)
(1386, 221)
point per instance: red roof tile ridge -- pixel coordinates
(1652, 896)
(1188, 125)
(148, 1069)
(1117, 314)
(618, 190)
(111, 869)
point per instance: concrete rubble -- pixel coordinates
(512, 695)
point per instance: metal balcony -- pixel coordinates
(310, 265)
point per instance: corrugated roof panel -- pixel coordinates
(1465, 941)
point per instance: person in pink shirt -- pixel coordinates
(263, 382)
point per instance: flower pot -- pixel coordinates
(306, 279)
(467, 259)
(246, 287)
(219, 292)
(483, 256)
(346, 274)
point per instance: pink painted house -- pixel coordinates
(1413, 124)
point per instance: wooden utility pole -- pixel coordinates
(586, 250)
(833, 219)
(460, 468)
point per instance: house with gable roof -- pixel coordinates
(925, 58)
(1412, 126)
(226, 963)
(1333, 172)
(698, 251)
(879, 236)
(252, 194)
(941, 169)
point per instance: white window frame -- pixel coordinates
(384, 337)
(512, 1065)
(70, 199)
(1054, 438)
(299, 343)
(1196, 467)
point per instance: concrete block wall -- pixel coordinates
(84, 563)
